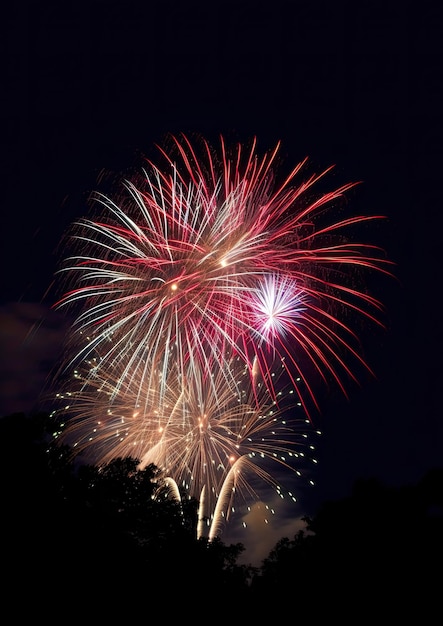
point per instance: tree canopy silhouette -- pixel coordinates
(71, 529)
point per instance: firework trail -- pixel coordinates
(194, 273)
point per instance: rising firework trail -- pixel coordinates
(190, 285)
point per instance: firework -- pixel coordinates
(190, 273)
(208, 437)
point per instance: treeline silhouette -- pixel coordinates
(111, 542)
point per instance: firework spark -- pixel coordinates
(208, 437)
(189, 274)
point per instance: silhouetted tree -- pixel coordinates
(110, 538)
(90, 524)
(375, 553)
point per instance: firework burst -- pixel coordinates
(193, 272)
(208, 437)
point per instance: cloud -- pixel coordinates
(262, 526)
(31, 337)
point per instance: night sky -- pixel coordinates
(88, 87)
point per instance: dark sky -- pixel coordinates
(89, 86)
